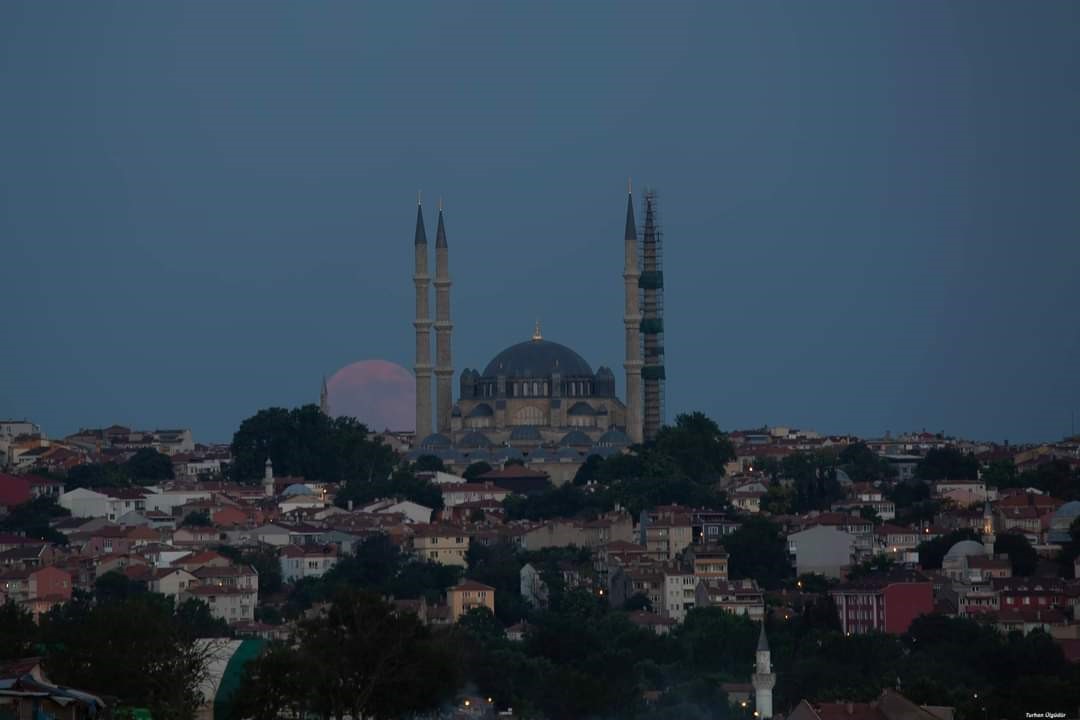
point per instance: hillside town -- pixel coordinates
(878, 531)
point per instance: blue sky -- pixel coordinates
(870, 209)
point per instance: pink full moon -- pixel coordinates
(378, 393)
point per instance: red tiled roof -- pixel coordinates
(472, 585)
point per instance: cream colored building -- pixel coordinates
(467, 595)
(443, 544)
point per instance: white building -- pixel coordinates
(302, 561)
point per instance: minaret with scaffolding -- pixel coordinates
(651, 284)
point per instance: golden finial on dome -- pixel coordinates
(536, 332)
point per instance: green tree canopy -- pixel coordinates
(696, 446)
(947, 464)
(758, 550)
(307, 443)
(1022, 556)
(148, 466)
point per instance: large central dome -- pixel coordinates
(537, 359)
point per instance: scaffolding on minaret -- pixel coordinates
(651, 287)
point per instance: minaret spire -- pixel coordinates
(422, 281)
(444, 365)
(632, 324)
(764, 678)
(324, 398)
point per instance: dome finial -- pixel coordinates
(536, 332)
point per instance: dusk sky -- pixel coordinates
(871, 210)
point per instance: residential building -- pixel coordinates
(467, 595)
(821, 549)
(304, 561)
(883, 603)
(444, 544)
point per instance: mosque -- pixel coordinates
(538, 401)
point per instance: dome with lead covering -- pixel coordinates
(537, 359)
(435, 441)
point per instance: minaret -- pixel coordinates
(268, 478)
(652, 322)
(989, 538)
(423, 329)
(764, 678)
(324, 399)
(632, 322)
(444, 366)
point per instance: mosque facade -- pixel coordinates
(538, 401)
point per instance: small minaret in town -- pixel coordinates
(324, 399)
(988, 530)
(422, 368)
(764, 678)
(268, 479)
(632, 323)
(444, 365)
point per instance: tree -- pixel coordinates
(95, 475)
(358, 659)
(403, 484)
(147, 466)
(932, 552)
(697, 446)
(864, 465)
(1022, 556)
(757, 550)
(109, 648)
(475, 470)
(429, 463)
(947, 464)
(196, 621)
(1001, 474)
(814, 476)
(33, 519)
(17, 632)
(305, 442)
(197, 518)
(637, 601)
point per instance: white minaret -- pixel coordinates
(632, 321)
(764, 678)
(268, 479)
(422, 368)
(444, 364)
(324, 399)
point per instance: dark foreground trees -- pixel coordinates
(360, 658)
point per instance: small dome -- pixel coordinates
(542, 454)
(604, 371)
(474, 440)
(614, 438)
(576, 438)
(481, 410)
(507, 453)
(569, 453)
(602, 411)
(298, 489)
(581, 408)
(965, 548)
(455, 411)
(1070, 509)
(601, 452)
(525, 433)
(435, 441)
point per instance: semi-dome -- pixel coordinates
(435, 441)
(613, 438)
(581, 409)
(537, 359)
(525, 433)
(576, 438)
(481, 410)
(474, 440)
(965, 548)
